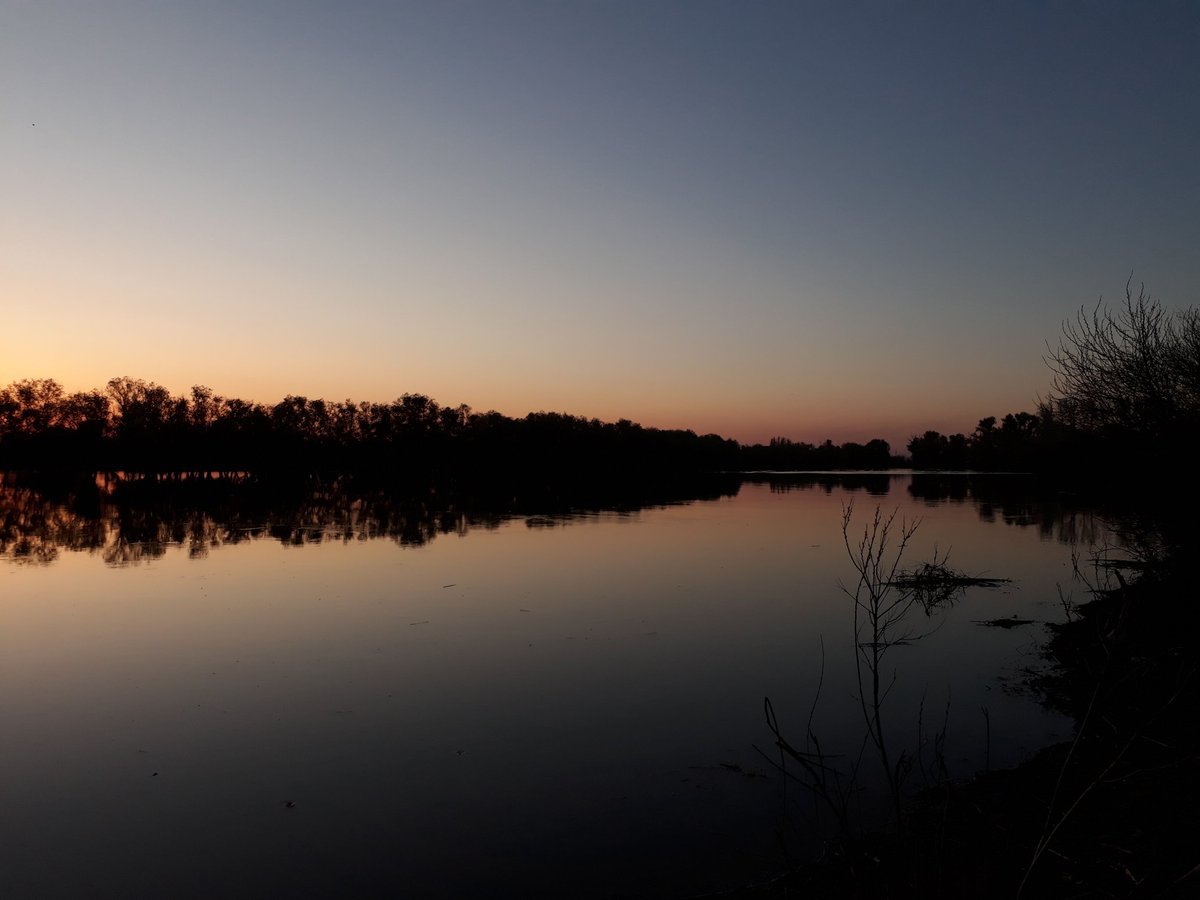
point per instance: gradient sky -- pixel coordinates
(804, 219)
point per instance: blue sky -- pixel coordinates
(811, 220)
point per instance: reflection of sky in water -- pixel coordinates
(499, 711)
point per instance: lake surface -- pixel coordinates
(373, 699)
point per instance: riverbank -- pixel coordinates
(1112, 813)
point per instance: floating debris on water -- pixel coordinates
(1011, 622)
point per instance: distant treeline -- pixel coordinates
(139, 426)
(1125, 391)
(782, 454)
(135, 425)
(1021, 442)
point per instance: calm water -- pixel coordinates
(503, 705)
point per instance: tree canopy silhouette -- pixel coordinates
(137, 425)
(1124, 390)
(1130, 377)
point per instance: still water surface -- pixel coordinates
(563, 705)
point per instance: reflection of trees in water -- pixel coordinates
(875, 483)
(337, 516)
(133, 520)
(34, 527)
(1026, 502)
(1018, 500)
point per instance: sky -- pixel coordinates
(812, 220)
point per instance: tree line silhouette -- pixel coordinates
(781, 454)
(136, 425)
(1124, 393)
(139, 426)
(1124, 390)
(1020, 442)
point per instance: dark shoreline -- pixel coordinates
(1110, 814)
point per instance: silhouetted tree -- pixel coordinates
(1130, 378)
(30, 407)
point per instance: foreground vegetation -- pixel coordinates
(1105, 815)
